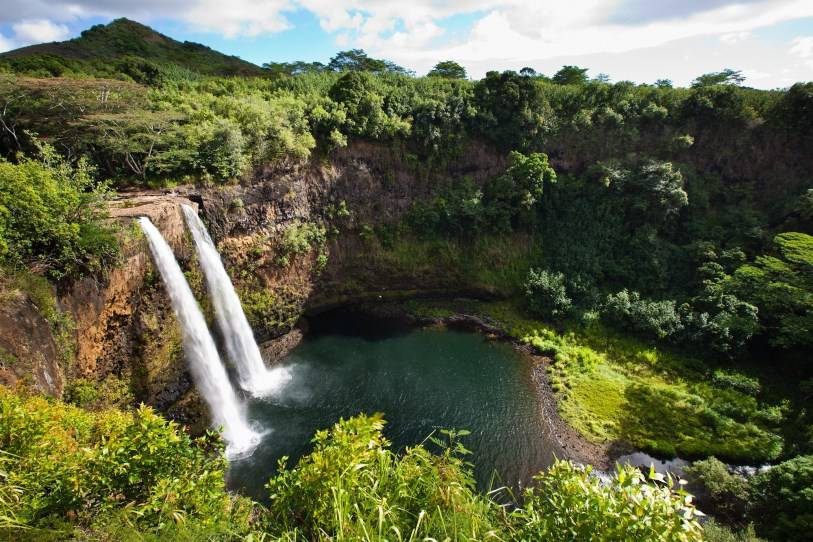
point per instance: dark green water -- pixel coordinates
(422, 380)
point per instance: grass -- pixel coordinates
(594, 402)
(615, 388)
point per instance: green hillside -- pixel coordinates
(123, 48)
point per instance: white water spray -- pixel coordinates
(204, 362)
(241, 347)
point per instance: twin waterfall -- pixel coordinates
(205, 364)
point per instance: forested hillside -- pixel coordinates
(654, 243)
(123, 48)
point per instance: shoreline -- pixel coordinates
(577, 447)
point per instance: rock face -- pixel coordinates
(274, 233)
(104, 310)
(28, 352)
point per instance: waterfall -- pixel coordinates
(207, 369)
(241, 347)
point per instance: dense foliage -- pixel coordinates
(68, 473)
(51, 217)
(785, 495)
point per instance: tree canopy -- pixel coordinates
(448, 69)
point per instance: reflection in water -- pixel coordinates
(422, 380)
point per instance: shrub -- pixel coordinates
(568, 503)
(728, 493)
(629, 311)
(352, 487)
(736, 381)
(715, 532)
(51, 217)
(782, 500)
(65, 463)
(546, 294)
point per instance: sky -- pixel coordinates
(770, 41)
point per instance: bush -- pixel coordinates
(352, 486)
(736, 381)
(782, 500)
(546, 294)
(629, 311)
(568, 504)
(715, 532)
(51, 217)
(728, 493)
(63, 463)
(112, 476)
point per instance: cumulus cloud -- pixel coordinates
(497, 33)
(39, 31)
(636, 11)
(802, 47)
(5, 44)
(735, 37)
(232, 18)
(517, 35)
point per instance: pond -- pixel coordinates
(422, 380)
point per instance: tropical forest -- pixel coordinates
(338, 300)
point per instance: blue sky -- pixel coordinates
(771, 41)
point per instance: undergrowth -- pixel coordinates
(69, 474)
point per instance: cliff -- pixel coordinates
(292, 239)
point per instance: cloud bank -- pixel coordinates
(504, 33)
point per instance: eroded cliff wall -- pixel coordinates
(293, 239)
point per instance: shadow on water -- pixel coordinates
(422, 380)
(357, 323)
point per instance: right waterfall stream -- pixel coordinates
(242, 349)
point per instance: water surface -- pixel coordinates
(422, 380)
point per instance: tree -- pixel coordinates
(528, 72)
(725, 77)
(602, 78)
(781, 286)
(570, 75)
(51, 217)
(355, 90)
(658, 190)
(663, 83)
(627, 310)
(294, 68)
(357, 60)
(448, 69)
(511, 109)
(135, 137)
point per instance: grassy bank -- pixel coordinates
(615, 388)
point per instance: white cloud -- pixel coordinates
(5, 44)
(515, 33)
(229, 18)
(802, 47)
(238, 17)
(735, 37)
(39, 31)
(496, 34)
